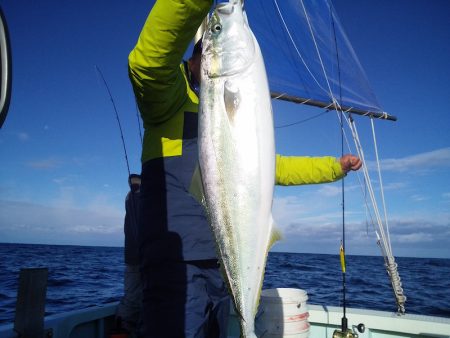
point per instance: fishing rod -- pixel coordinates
(132, 193)
(345, 332)
(117, 117)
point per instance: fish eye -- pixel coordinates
(216, 28)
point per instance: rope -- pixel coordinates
(368, 181)
(383, 241)
(381, 185)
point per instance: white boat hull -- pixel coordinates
(96, 322)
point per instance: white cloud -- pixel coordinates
(60, 180)
(419, 198)
(45, 164)
(96, 230)
(423, 162)
(330, 190)
(23, 136)
(29, 221)
(55, 162)
(309, 226)
(305, 208)
(414, 238)
(310, 216)
(308, 223)
(395, 186)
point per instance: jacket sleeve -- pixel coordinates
(298, 170)
(154, 63)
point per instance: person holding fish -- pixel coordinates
(185, 293)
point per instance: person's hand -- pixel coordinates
(350, 162)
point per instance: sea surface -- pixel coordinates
(80, 277)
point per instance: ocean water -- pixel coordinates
(79, 277)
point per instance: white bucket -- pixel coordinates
(283, 313)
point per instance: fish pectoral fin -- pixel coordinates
(196, 187)
(231, 98)
(275, 236)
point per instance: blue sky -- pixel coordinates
(63, 176)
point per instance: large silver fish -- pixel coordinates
(237, 154)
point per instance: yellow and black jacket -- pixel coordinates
(173, 223)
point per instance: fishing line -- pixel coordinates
(117, 117)
(139, 121)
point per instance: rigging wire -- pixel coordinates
(296, 48)
(330, 92)
(302, 121)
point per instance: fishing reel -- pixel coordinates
(347, 333)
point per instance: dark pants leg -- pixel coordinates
(185, 300)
